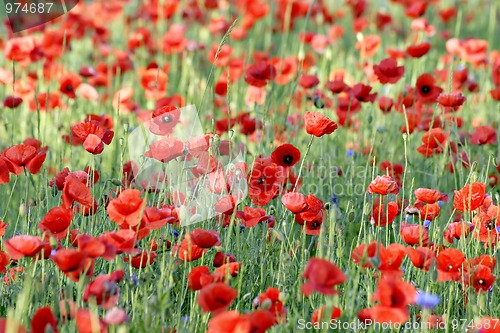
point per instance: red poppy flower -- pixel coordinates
(383, 185)
(480, 277)
(89, 322)
(91, 134)
(188, 250)
(4, 261)
(250, 217)
(43, 320)
(141, 260)
(294, 202)
(430, 196)
(265, 181)
(385, 104)
(421, 257)
(22, 156)
(308, 81)
(361, 92)
(230, 322)
(73, 262)
(4, 170)
(318, 125)
(126, 209)
(259, 73)
(199, 277)
(164, 119)
(363, 254)
(470, 197)
(226, 204)
(388, 71)
(427, 91)
(368, 46)
(451, 102)
(418, 50)
(429, 211)
(414, 234)
(319, 314)
(433, 142)
(166, 149)
(104, 289)
(449, 264)
(273, 297)
(57, 222)
(68, 84)
(216, 297)
(205, 238)
(393, 296)
(286, 155)
(321, 276)
(12, 102)
(457, 230)
(76, 189)
(337, 85)
(223, 272)
(382, 215)
(483, 135)
(20, 246)
(221, 258)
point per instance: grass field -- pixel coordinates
(251, 166)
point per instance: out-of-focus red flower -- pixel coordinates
(470, 197)
(388, 71)
(321, 276)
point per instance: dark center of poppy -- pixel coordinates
(166, 119)
(425, 89)
(489, 225)
(450, 267)
(288, 159)
(315, 225)
(68, 88)
(261, 181)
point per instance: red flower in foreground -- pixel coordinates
(104, 289)
(318, 125)
(44, 320)
(294, 202)
(286, 155)
(470, 197)
(57, 222)
(27, 155)
(427, 91)
(216, 297)
(265, 181)
(450, 264)
(89, 322)
(388, 71)
(322, 276)
(383, 185)
(126, 209)
(73, 262)
(91, 134)
(414, 234)
(430, 196)
(20, 246)
(393, 296)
